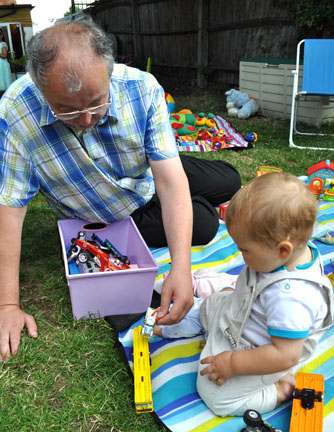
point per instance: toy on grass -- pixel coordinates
(240, 105)
(265, 169)
(321, 180)
(251, 137)
(308, 403)
(142, 372)
(234, 98)
(249, 109)
(170, 102)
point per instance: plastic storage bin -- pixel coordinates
(95, 295)
(270, 80)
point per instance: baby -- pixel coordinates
(260, 331)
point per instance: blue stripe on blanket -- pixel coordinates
(175, 362)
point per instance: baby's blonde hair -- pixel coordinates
(274, 207)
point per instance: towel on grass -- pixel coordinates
(237, 142)
(174, 362)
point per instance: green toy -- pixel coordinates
(189, 123)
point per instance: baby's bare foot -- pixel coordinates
(285, 388)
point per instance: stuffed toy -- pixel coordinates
(240, 105)
(249, 109)
(231, 98)
(185, 123)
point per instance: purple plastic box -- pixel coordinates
(95, 295)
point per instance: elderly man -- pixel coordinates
(94, 138)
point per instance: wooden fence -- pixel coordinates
(207, 36)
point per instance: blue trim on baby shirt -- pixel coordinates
(288, 334)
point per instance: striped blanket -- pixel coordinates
(175, 362)
(184, 145)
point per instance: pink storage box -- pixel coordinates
(95, 295)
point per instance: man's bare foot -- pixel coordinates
(157, 331)
(285, 388)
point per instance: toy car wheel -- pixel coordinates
(295, 393)
(83, 257)
(252, 418)
(320, 397)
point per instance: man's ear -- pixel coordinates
(285, 249)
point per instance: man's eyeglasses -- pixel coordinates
(75, 114)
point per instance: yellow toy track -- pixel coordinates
(141, 372)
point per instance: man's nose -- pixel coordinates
(85, 120)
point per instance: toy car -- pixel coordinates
(90, 258)
(255, 423)
(149, 322)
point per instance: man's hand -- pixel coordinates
(12, 322)
(220, 367)
(177, 289)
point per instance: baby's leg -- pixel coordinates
(237, 395)
(240, 393)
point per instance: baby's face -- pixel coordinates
(256, 255)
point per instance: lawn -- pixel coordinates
(72, 378)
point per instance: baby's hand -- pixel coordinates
(219, 368)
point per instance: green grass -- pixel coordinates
(72, 378)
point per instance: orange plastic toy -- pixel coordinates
(308, 403)
(264, 169)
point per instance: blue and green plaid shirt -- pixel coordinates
(103, 175)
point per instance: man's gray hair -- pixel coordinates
(45, 46)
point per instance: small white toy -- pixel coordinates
(149, 322)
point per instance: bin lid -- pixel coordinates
(270, 60)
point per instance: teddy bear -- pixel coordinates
(240, 105)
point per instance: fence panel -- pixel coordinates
(207, 36)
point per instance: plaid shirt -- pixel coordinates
(102, 174)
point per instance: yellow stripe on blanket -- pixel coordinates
(217, 239)
(215, 263)
(325, 222)
(210, 424)
(181, 350)
(322, 358)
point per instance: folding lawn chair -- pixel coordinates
(318, 80)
